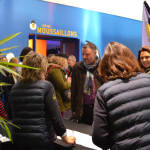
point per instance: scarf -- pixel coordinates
(88, 85)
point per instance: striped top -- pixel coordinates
(2, 110)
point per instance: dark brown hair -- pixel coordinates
(144, 48)
(90, 45)
(24, 52)
(118, 62)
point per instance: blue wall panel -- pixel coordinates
(99, 28)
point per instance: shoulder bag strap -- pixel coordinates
(51, 69)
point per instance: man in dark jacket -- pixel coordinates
(85, 84)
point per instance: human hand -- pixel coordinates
(71, 140)
(69, 79)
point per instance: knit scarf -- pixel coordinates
(88, 85)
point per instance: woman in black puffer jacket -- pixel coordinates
(33, 107)
(122, 105)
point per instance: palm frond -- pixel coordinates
(8, 38)
(4, 49)
(1, 71)
(18, 65)
(9, 70)
(4, 84)
(4, 53)
(8, 132)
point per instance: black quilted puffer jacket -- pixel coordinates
(122, 114)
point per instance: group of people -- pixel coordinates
(111, 94)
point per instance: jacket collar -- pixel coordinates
(81, 64)
(52, 64)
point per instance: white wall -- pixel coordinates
(125, 8)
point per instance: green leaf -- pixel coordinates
(9, 70)
(4, 126)
(4, 49)
(4, 84)
(8, 38)
(1, 71)
(8, 133)
(4, 53)
(18, 65)
(20, 56)
(1, 124)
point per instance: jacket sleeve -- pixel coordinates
(57, 78)
(100, 135)
(73, 89)
(52, 109)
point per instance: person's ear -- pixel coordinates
(95, 52)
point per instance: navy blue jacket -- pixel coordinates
(33, 107)
(122, 114)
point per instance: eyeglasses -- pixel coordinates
(146, 58)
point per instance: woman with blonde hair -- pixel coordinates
(33, 107)
(122, 104)
(57, 76)
(144, 58)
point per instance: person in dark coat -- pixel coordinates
(122, 105)
(85, 84)
(144, 59)
(33, 107)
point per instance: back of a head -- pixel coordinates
(62, 55)
(37, 61)
(118, 62)
(49, 57)
(14, 60)
(61, 61)
(24, 52)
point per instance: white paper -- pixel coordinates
(82, 139)
(4, 139)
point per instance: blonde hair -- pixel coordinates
(37, 61)
(13, 60)
(73, 58)
(60, 61)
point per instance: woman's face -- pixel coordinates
(145, 59)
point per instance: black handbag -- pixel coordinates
(66, 95)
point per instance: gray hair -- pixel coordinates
(73, 58)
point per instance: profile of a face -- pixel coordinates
(88, 56)
(4, 59)
(145, 59)
(70, 62)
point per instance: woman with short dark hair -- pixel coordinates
(122, 105)
(144, 58)
(33, 107)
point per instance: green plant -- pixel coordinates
(4, 66)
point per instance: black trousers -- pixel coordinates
(87, 116)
